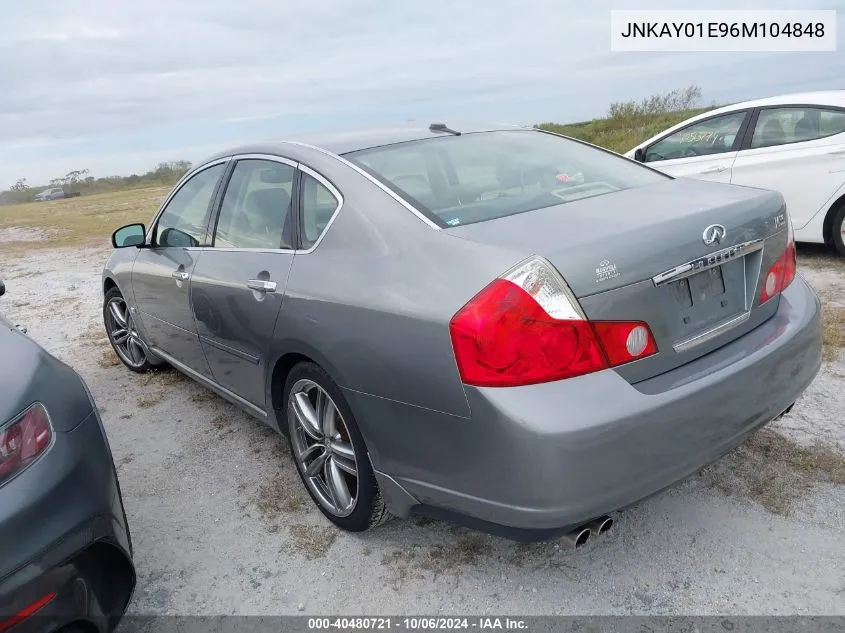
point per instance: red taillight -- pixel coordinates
(23, 440)
(624, 342)
(782, 272)
(26, 612)
(526, 328)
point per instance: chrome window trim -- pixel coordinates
(338, 198)
(311, 172)
(373, 180)
(253, 156)
(271, 157)
(176, 188)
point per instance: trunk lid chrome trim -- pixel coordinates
(706, 262)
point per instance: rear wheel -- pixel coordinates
(329, 451)
(838, 231)
(122, 333)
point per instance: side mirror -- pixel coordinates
(129, 235)
(2, 288)
(639, 155)
(177, 238)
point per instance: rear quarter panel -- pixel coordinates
(372, 303)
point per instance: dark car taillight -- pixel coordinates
(527, 328)
(23, 439)
(782, 272)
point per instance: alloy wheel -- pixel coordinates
(123, 334)
(323, 448)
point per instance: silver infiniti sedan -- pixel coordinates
(504, 328)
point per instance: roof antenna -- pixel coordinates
(441, 127)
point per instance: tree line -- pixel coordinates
(80, 180)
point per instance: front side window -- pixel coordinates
(255, 212)
(713, 136)
(183, 221)
(481, 176)
(318, 207)
(781, 126)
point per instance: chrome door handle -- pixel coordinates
(260, 285)
(713, 170)
(180, 275)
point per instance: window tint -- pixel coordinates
(318, 206)
(779, 126)
(712, 136)
(475, 177)
(256, 207)
(183, 221)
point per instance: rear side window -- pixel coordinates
(255, 212)
(457, 180)
(318, 207)
(781, 126)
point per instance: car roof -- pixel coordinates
(819, 97)
(344, 142)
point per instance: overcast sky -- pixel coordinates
(116, 86)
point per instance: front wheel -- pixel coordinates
(122, 333)
(329, 451)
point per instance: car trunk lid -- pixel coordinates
(640, 254)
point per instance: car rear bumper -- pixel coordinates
(63, 529)
(545, 458)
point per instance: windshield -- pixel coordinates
(457, 180)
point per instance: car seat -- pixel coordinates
(269, 217)
(771, 134)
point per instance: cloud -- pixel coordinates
(122, 78)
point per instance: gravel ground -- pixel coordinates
(221, 524)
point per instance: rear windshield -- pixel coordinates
(456, 180)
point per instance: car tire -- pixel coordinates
(129, 350)
(340, 451)
(838, 230)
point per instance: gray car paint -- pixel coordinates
(66, 500)
(371, 304)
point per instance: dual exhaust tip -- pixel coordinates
(579, 537)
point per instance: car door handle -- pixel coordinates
(714, 170)
(260, 285)
(838, 152)
(180, 275)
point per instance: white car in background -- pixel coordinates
(794, 144)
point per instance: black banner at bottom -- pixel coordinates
(486, 624)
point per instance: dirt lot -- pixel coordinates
(221, 524)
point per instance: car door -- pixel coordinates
(798, 151)
(161, 275)
(704, 150)
(239, 281)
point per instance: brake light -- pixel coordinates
(23, 440)
(527, 328)
(26, 612)
(782, 272)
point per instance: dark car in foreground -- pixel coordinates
(502, 327)
(66, 555)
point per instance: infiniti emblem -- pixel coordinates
(713, 234)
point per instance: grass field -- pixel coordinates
(87, 220)
(622, 133)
